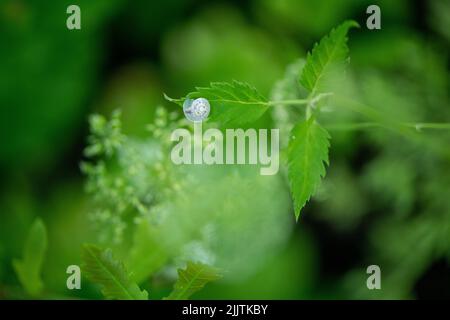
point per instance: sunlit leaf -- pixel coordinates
(232, 103)
(100, 267)
(327, 58)
(307, 156)
(192, 279)
(28, 269)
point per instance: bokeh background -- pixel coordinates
(385, 199)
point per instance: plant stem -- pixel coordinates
(289, 102)
(425, 125)
(308, 112)
(352, 126)
(365, 125)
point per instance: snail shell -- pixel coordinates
(196, 110)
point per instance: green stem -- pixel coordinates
(353, 126)
(424, 125)
(289, 102)
(365, 125)
(308, 112)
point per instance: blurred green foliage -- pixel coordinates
(387, 188)
(28, 269)
(41, 59)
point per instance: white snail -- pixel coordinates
(196, 110)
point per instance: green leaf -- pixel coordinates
(192, 279)
(307, 156)
(326, 59)
(233, 103)
(100, 267)
(28, 269)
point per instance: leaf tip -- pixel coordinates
(167, 97)
(177, 101)
(352, 24)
